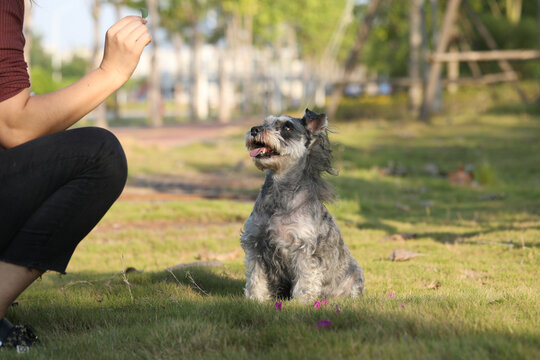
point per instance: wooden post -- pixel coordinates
(437, 99)
(435, 71)
(490, 42)
(491, 55)
(354, 54)
(453, 72)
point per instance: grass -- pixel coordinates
(474, 296)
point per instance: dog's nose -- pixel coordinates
(255, 130)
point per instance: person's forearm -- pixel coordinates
(24, 117)
(39, 115)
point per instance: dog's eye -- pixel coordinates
(287, 127)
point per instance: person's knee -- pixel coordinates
(110, 157)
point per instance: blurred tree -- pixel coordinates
(186, 18)
(239, 41)
(101, 111)
(155, 101)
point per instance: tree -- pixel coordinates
(186, 18)
(101, 111)
(354, 54)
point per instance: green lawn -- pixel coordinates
(475, 295)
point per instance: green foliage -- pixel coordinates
(313, 21)
(387, 49)
(41, 80)
(76, 68)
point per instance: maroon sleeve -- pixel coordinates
(13, 69)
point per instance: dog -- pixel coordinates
(293, 246)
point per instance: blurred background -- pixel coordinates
(434, 115)
(221, 61)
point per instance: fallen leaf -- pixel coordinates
(460, 177)
(403, 255)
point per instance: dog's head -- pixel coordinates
(282, 141)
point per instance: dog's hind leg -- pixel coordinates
(257, 281)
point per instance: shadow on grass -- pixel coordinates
(160, 322)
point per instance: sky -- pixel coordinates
(67, 24)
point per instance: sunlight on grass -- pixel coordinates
(473, 294)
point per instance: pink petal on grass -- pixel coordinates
(324, 323)
(391, 294)
(316, 304)
(402, 306)
(337, 309)
(323, 303)
(278, 305)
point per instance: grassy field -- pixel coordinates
(474, 295)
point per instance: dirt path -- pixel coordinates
(166, 189)
(181, 134)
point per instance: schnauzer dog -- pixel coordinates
(293, 246)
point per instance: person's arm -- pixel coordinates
(24, 117)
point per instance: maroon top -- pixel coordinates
(13, 69)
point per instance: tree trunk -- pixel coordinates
(225, 89)
(200, 82)
(436, 104)
(155, 105)
(435, 70)
(116, 106)
(354, 54)
(178, 44)
(538, 24)
(415, 43)
(100, 112)
(247, 68)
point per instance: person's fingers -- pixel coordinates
(124, 34)
(122, 22)
(139, 34)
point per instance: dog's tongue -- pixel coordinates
(256, 152)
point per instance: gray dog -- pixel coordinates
(293, 246)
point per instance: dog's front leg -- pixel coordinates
(257, 280)
(308, 281)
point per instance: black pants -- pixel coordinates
(53, 191)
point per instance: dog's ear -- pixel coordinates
(314, 122)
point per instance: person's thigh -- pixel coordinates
(53, 190)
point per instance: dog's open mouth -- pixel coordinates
(260, 150)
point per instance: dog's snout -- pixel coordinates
(255, 130)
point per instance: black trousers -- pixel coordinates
(53, 191)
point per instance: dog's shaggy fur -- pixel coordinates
(294, 249)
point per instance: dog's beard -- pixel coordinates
(270, 152)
